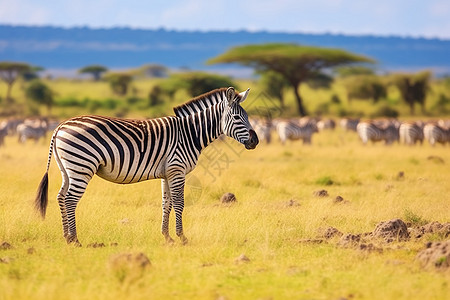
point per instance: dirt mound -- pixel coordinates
(349, 240)
(431, 228)
(321, 193)
(241, 259)
(96, 245)
(129, 266)
(435, 255)
(390, 231)
(329, 233)
(5, 246)
(228, 198)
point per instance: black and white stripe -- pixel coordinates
(436, 134)
(377, 131)
(127, 151)
(296, 130)
(32, 129)
(411, 133)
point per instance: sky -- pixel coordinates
(412, 18)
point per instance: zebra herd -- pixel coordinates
(25, 129)
(386, 130)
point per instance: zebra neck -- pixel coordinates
(206, 126)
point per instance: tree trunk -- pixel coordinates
(411, 108)
(298, 98)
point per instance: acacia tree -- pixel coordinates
(196, 83)
(95, 70)
(294, 62)
(9, 72)
(274, 85)
(119, 82)
(413, 88)
(40, 93)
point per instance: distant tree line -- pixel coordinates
(281, 67)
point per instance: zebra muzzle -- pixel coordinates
(253, 141)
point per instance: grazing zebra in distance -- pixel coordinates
(32, 129)
(326, 124)
(411, 132)
(349, 124)
(436, 134)
(128, 151)
(263, 129)
(291, 130)
(3, 133)
(370, 131)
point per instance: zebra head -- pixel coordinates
(235, 122)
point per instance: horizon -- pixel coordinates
(401, 18)
(69, 27)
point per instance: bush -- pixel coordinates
(385, 111)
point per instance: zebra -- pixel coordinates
(411, 132)
(263, 129)
(349, 124)
(369, 131)
(326, 124)
(32, 129)
(291, 130)
(127, 151)
(3, 133)
(436, 134)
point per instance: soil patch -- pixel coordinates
(435, 255)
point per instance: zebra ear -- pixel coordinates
(243, 95)
(230, 95)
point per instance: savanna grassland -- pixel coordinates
(275, 213)
(276, 223)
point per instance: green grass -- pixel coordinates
(260, 225)
(75, 97)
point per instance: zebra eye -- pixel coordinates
(236, 118)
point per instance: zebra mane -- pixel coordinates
(200, 103)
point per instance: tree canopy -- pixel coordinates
(9, 71)
(196, 83)
(95, 70)
(294, 62)
(413, 87)
(40, 93)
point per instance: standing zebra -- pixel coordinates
(291, 130)
(32, 129)
(349, 124)
(369, 131)
(436, 134)
(411, 132)
(263, 129)
(128, 151)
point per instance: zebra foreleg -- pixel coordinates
(176, 186)
(166, 208)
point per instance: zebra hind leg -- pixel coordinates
(74, 193)
(176, 185)
(62, 205)
(166, 208)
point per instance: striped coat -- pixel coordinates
(436, 134)
(291, 130)
(128, 151)
(411, 133)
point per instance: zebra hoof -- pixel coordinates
(73, 241)
(184, 240)
(169, 240)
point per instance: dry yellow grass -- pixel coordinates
(262, 225)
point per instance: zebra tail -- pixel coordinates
(41, 200)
